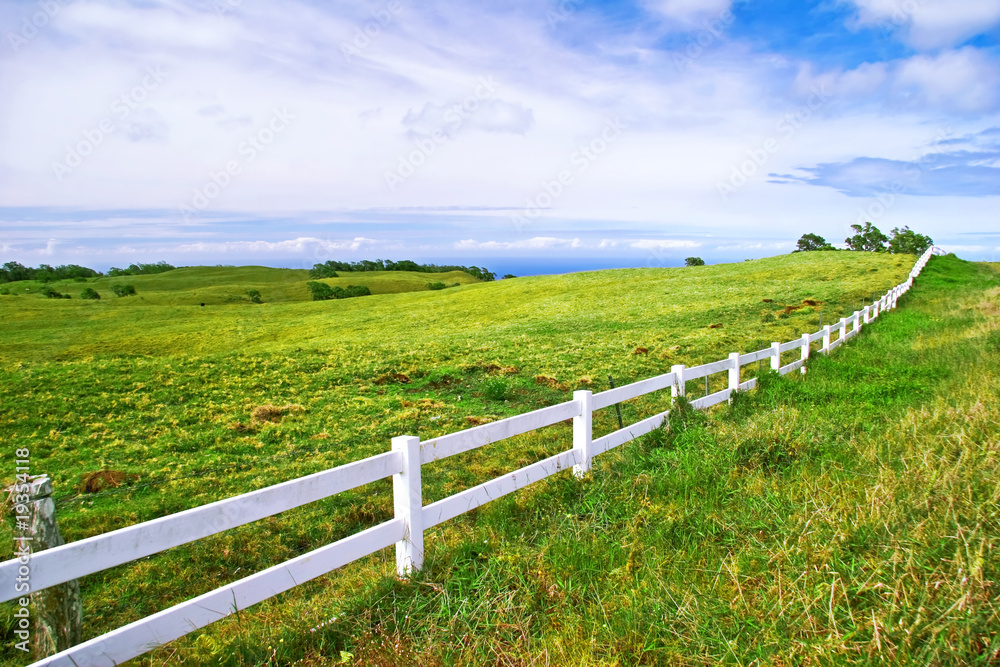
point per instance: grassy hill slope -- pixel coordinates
(166, 392)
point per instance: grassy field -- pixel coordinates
(626, 568)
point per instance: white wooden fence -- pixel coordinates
(412, 518)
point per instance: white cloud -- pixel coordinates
(295, 246)
(689, 11)
(930, 24)
(966, 80)
(663, 244)
(536, 243)
(493, 115)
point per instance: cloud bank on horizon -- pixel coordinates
(638, 132)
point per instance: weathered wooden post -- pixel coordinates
(58, 613)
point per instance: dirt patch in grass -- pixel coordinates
(390, 378)
(272, 413)
(547, 381)
(94, 482)
(478, 421)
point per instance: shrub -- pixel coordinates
(320, 291)
(436, 286)
(52, 294)
(694, 261)
(351, 291)
(123, 290)
(90, 293)
(255, 296)
(508, 276)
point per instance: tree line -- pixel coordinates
(330, 268)
(14, 271)
(868, 238)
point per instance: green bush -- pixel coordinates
(351, 291)
(323, 292)
(436, 286)
(694, 261)
(90, 293)
(52, 294)
(255, 296)
(320, 291)
(123, 290)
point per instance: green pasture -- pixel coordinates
(163, 390)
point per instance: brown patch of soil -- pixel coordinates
(93, 482)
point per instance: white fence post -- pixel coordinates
(678, 387)
(734, 374)
(408, 504)
(583, 432)
(827, 334)
(805, 352)
(868, 314)
(775, 356)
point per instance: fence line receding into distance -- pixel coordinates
(411, 518)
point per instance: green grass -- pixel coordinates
(629, 566)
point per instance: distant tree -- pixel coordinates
(323, 271)
(140, 269)
(90, 293)
(811, 242)
(508, 276)
(13, 271)
(320, 291)
(255, 296)
(867, 239)
(907, 242)
(694, 261)
(123, 290)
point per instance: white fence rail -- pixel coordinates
(412, 518)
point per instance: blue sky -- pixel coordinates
(523, 136)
